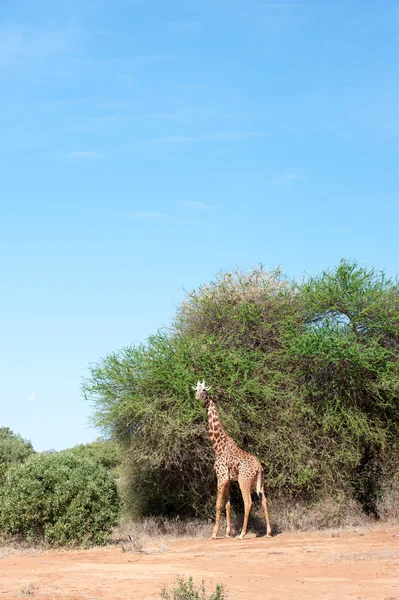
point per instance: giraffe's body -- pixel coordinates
(232, 464)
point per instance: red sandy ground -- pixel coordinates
(322, 565)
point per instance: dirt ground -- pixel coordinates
(323, 565)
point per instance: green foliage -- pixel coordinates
(59, 498)
(104, 452)
(13, 449)
(346, 364)
(184, 589)
(305, 376)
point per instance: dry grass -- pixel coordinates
(328, 514)
(135, 536)
(331, 514)
(17, 545)
(388, 506)
(151, 535)
(28, 590)
(14, 545)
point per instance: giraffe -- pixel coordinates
(231, 464)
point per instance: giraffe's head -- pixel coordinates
(202, 391)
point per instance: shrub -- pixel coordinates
(60, 499)
(184, 589)
(104, 452)
(13, 449)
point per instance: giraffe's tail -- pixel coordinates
(259, 484)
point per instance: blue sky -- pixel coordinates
(147, 145)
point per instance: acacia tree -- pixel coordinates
(306, 377)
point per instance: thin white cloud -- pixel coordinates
(148, 215)
(156, 57)
(286, 6)
(185, 25)
(70, 101)
(124, 59)
(158, 216)
(105, 33)
(195, 87)
(222, 136)
(172, 116)
(288, 177)
(32, 397)
(192, 114)
(200, 205)
(84, 154)
(18, 41)
(97, 123)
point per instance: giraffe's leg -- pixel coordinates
(219, 504)
(264, 506)
(227, 495)
(246, 495)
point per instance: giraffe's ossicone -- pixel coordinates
(231, 464)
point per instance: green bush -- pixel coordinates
(13, 449)
(60, 499)
(306, 376)
(184, 589)
(104, 452)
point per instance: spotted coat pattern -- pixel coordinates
(232, 464)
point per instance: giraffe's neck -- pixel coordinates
(217, 433)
